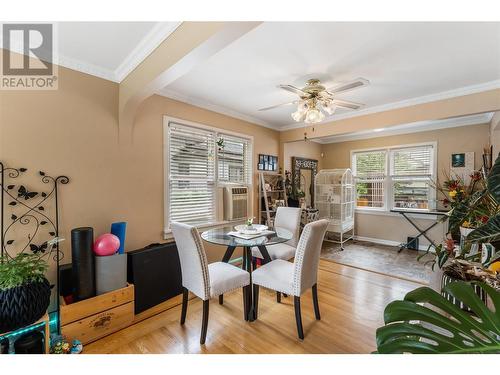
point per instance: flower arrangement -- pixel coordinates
(456, 193)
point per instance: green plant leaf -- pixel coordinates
(460, 212)
(442, 258)
(22, 269)
(493, 181)
(488, 232)
(413, 328)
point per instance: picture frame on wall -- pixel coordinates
(462, 165)
(458, 160)
(267, 163)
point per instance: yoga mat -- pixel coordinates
(119, 229)
(82, 259)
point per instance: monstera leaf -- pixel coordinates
(489, 232)
(413, 328)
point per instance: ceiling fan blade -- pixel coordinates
(360, 82)
(347, 104)
(279, 105)
(293, 89)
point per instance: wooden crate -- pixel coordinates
(96, 317)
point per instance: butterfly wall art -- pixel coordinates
(33, 215)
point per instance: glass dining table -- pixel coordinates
(221, 236)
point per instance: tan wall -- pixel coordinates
(394, 228)
(303, 149)
(74, 131)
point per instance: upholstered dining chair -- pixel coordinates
(205, 280)
(297, 277)
(288, 218)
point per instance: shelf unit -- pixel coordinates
(42, 323)
(267, 213)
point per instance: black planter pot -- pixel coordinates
(293, 202)
(23, 305)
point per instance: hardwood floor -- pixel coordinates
(351, 303)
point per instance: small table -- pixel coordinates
(220, 236)
(421, 232)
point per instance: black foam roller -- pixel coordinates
(83, 273)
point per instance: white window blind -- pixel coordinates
(411, 172)
(191, 175)
(370, 172)
(370, 164)
(234, 160)
(412, 161)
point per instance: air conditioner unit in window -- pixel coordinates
(235, 202)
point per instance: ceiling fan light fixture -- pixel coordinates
(316, 101)
(302, 106)
(298, 115)
(313, 116)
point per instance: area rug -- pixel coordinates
(381, 259)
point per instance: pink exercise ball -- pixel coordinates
(106, 244)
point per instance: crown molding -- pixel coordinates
(84, 67)
(414, 127)
(147, 45)
(466, 90)
(213, 107)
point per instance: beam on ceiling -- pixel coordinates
(189, 45)
(486, 101)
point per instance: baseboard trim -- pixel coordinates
(381, 241)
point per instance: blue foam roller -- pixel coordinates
(119, 229)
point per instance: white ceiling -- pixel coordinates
(406, 63)
(109, 50)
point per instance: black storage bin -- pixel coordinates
(155, 272)
(31, 343)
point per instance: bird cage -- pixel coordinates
(334, 197)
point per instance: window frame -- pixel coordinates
(217, 184)
(389, 179)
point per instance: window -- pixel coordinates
(198, 159)
(234, 159)
(396, 177)
(370, 171)
(411, 172)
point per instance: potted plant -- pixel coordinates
(24, 291)
(250, 223)
(475, 212)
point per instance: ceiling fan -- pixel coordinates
(316, 99)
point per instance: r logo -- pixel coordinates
(35, 43)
